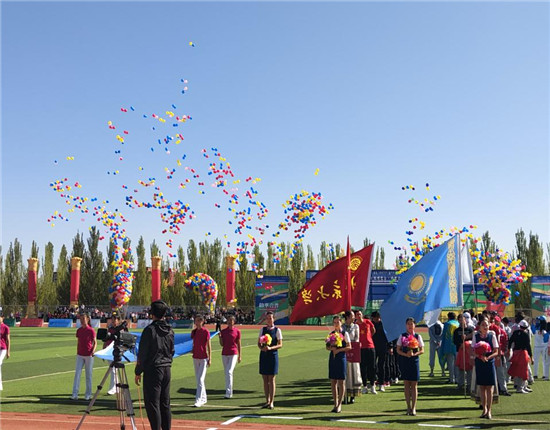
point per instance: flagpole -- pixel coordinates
(348, 278)
(463, 307)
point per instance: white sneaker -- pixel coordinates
(88, 398)
(198, 404)
(74, 397)
(527, 389)
(365, 390)
(381, 388)
(111, 392)
(373, 390)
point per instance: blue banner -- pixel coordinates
(66, 323)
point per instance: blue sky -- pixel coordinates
(374, 95)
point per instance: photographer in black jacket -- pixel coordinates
(156, 349)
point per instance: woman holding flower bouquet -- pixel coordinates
(269, 342)
(338, 343)
(409, 347)
(485, 348)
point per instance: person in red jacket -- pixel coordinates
(5, 345)
(202, 354)
(368, 353)
(85, 356)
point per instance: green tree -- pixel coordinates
(297, 275)
(244, 282)
(323, 256)
(310, 261)
(523, 300)
(487, 244)
(193, 258)
(142, 279)
(14, 292)
(532, 256)
(34, 250)
(63, 277)
(270, 262)
(109, 272)
(381, 261)
(92, 289)
(190, 297)
(47, 294)
(180, 276)
(155, 251)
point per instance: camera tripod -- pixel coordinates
(123, 398)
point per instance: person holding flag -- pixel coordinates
(448, 348)
(353, 358)
(368, 353)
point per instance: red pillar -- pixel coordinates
(32, 280)
(75, 280)
(155, 278)
(230, 279)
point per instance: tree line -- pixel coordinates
(97, 271)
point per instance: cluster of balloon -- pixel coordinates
(301, 210)
(205, 287)
(120, 289)
(246, 211)
(497, 271)
(413, 250)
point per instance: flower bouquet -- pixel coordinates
(334, 339)
(265, 340)
(482, 349)
(410, 342)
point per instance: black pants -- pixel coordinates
(156, 395)
(382, 366)
(368, 366)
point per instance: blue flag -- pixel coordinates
(432, 283)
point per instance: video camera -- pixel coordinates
(119, 335)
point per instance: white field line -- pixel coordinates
(360, 421)
(48, 374)
(44, 375)
(232, 420)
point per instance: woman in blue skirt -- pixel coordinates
(485, 375)
(337, 364)
(409, 347)
(269, 357)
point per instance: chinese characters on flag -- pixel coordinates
(325, 293)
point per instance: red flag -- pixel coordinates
(348, 278)
(325, 293)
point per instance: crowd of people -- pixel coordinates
(174, 313)
(482, 355)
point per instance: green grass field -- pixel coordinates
(38, 378)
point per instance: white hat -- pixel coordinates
(523, 324)
(466, 315)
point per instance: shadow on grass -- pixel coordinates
(221, 393)
(102, 403)
(314, 392)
